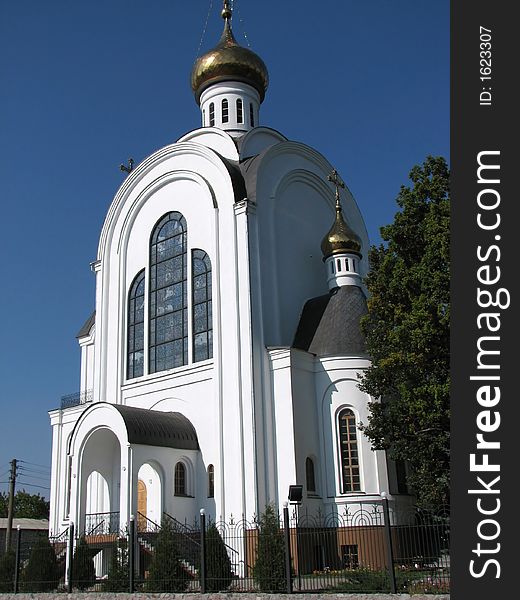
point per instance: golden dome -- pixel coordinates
(229, 62)
(340, 238)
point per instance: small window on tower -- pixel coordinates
(240, 111)
(212, 115)
(251, 114)
(225, 111)
(180, 479)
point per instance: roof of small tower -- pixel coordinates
(329, 325)
(228, 61)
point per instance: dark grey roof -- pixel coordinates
(155, 428)
(87, 326)
(329, 324)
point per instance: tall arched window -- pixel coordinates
(211, 481)
(168, 294)
(240, 111)
(180, 480)
(225, 111)
(309, 475)
(211, 115)
(135, 349)
(251, 114)
(202, 306)
(350, 479)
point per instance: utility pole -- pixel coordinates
(10, 509)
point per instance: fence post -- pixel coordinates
(287, 531)
(389, 546)
(202, 551)
(17, 558)
(131, 554)
(70, 554)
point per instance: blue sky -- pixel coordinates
(86, 85)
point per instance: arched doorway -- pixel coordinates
(149, 496)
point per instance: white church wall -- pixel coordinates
(337, 388)
(295, 208)
(87, 361)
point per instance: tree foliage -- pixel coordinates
(218, 564)
(42, 572)
(118, 579)
(7, 566)
(83, 570)
(269, 568)
(166, 570)
(407, 333)
(27, 506)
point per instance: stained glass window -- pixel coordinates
(202, 306)
(180, 479)
(168, 294)
(350, 478)
(135, 350)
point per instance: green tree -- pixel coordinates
(119, 574)
(7, 565)
(218, 565)
(42, 573)
(269, 568)
(28, 506)
(407, 333)
(167, 574)
(83, 570)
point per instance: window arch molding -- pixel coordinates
(183, 478)
(348, 449)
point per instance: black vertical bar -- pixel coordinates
(17, 559)
(131, 555)
(288, 574)
(389, 547)
(71, 557)
(202, 552)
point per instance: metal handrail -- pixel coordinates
(76, 399)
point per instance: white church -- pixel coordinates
(221, 363)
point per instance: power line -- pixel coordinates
(33, 485)
(35, 465)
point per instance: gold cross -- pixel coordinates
(337, 181)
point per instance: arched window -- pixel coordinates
(309, 475)
(240, 111)
(211, 481)
(135, 346)
(251, 114)
(211, 115)
(225, 111)
(350, 479)
(202, 306)
(180, 480)
(168, 294)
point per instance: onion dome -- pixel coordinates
(340, 239)
(229, 61)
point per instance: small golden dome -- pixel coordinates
(229, 62)
(340, 238)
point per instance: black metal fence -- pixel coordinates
(366, 548)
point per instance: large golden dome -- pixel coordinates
(229, 61)
(340, 238)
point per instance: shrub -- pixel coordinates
(41, 574)
(218, 565)
(118, 579)
(166, 570)
(269, 569)
(83, 571)
(7, 565)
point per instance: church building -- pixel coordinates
(222, 361)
